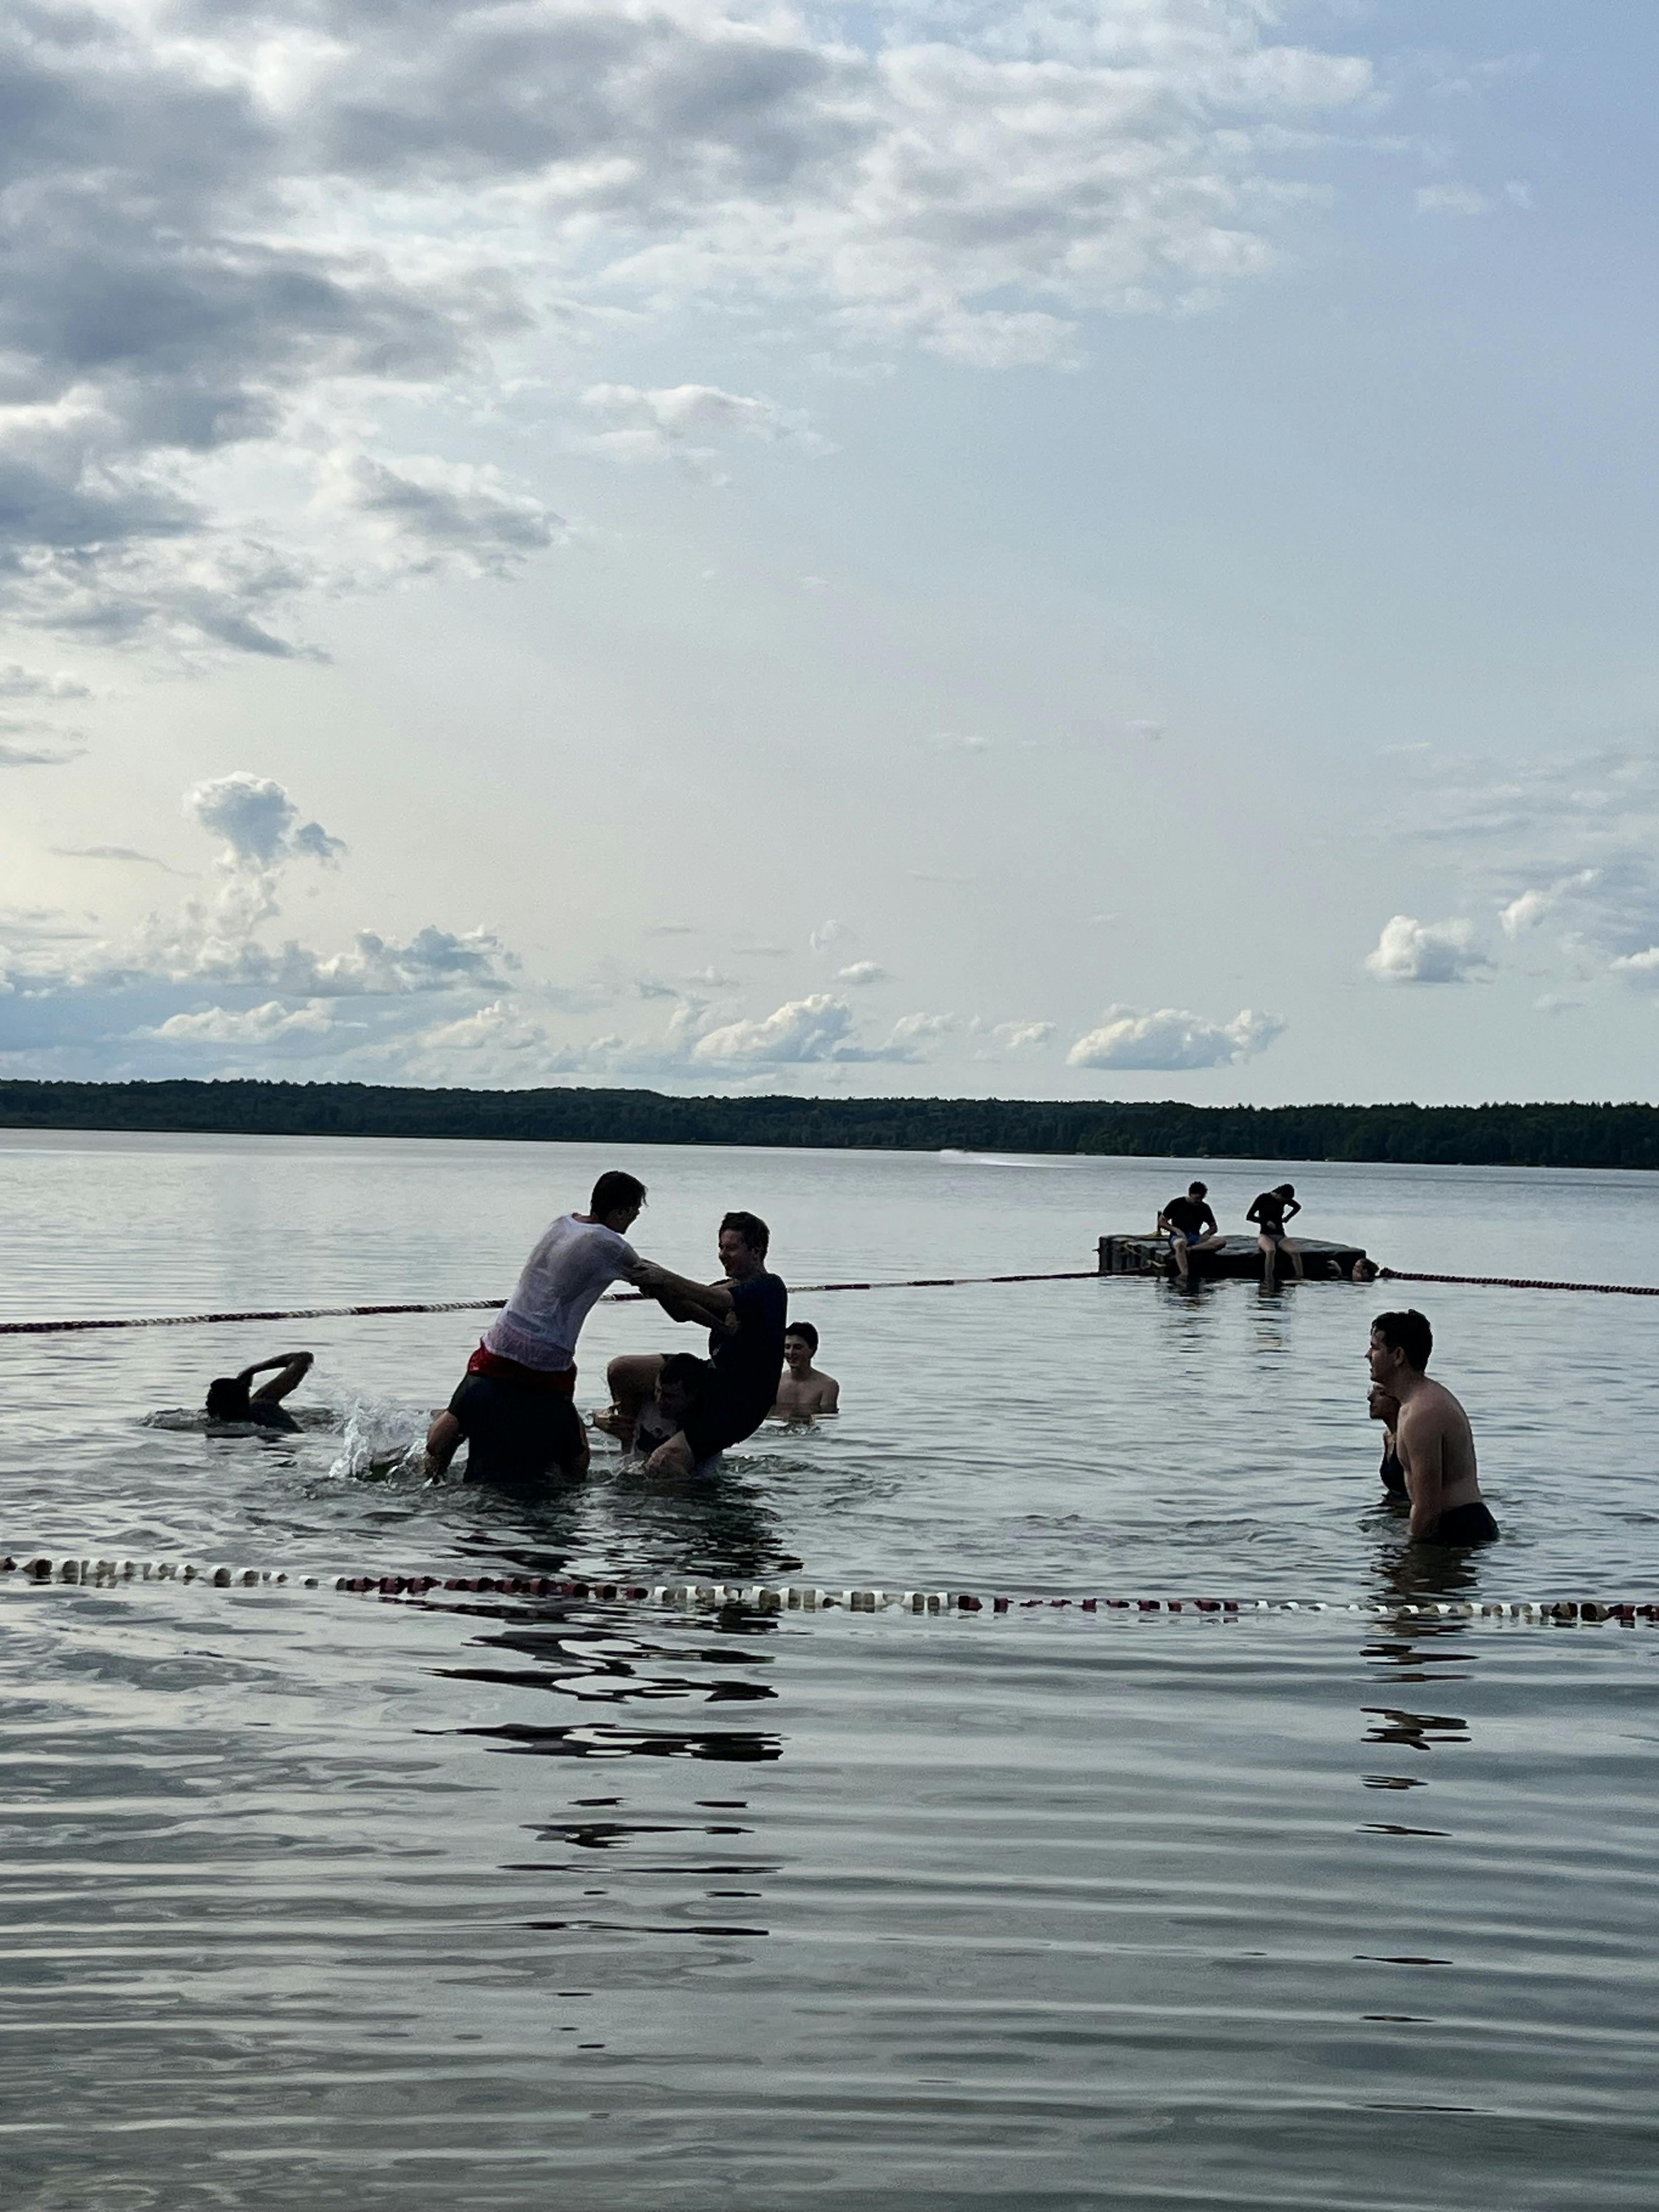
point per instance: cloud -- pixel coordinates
(1412, 951)
(666, 424)
(861, 974)
(1639, 969)
(115, 852)
(1452, 199)
(818, 1027)
(828, 934)
(259, 822)
(271, 1023)
(1017, 1040)
(32, 754)
(17, 681)
(1172, 1039)
(230, 233)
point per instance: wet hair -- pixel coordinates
(805, 1330)
(613, 1191)
(1408, 1332)
(683, 1370)
(1283, 1190)
(228, 1399)
(1198, 1190)
(752, 1229)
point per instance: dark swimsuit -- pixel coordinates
(1462, 1524)
(1393, 1474)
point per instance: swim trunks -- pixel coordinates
(1462, 1524)
(561, 1381)
(517, 1433)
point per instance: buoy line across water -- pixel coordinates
(792, 1597)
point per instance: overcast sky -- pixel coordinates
(1078, 549)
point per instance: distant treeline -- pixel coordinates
(1563, 1136)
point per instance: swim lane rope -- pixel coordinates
(800, 1290)
(793, 1597)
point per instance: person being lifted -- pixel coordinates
(1432, 1437)
(744, 1313)
(1190, 1226)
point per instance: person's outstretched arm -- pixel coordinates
(1254, 1213)
(294, 1366)
(681, 1299)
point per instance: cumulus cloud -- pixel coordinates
(818, 1027)
(1639, 969)
(231, 230)
(1015, 1040)
(259, 822)
(22, 744)
(1412, 951)
(861, 974)
(1172, 1039)
(271, 1023)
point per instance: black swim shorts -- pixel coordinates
(514, 1434)
(1462, 1524)
(720, 1418)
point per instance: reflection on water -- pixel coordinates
(325, 1901)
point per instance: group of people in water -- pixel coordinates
(514, 1408)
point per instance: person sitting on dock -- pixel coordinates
(1271, 1211)
(229, 1399)
(1383, 1406)
(1190, 1226)
(1431, 1435)
(804, 1391)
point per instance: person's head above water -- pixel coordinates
(801, 1341)
(617, 1200)
(1383, 1406)
(1400, 1344)
(679, 1379)
(743, 1240)
(228, 1398)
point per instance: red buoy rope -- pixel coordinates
(488, 1305)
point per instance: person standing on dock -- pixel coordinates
(1190, 1226)
(1271, 1211)
(1432, 1437)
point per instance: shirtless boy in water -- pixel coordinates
(803, 1391)
(1431, 1436)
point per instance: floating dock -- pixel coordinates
(1237, 1256)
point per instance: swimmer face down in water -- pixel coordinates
(230, 1400)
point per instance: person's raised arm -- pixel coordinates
(1254, 1213)
(294, 1367)
(1292, 1206)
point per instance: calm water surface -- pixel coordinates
(317, 1900)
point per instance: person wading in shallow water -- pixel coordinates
(1432, 1436)
(515, 1406)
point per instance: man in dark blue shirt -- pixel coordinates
(745, 1313)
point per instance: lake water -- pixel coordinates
(313, 1900)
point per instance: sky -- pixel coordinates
(1077, 550)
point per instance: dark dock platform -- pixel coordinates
(1238, 1255)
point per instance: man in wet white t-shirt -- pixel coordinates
(515, 1406)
